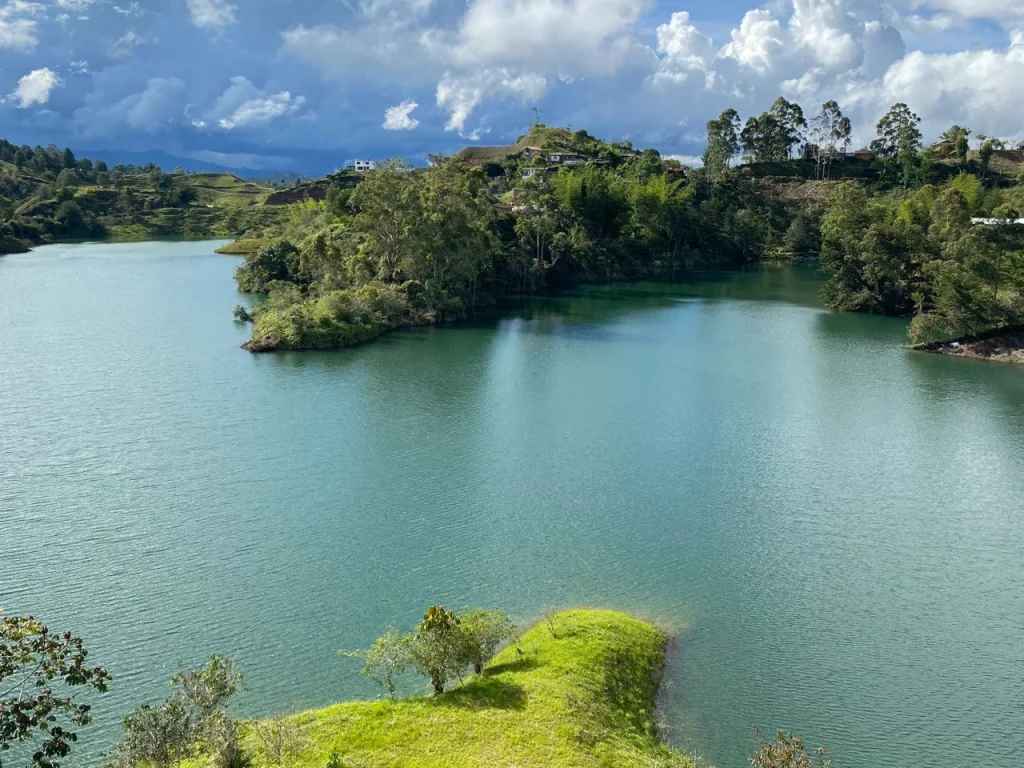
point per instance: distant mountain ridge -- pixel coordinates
(168, 162)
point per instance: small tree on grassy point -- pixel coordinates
(483, 631)
(437, 647)
(389, 656)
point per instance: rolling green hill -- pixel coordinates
(47, 195)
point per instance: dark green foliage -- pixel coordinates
(40, 673)
(918, 255)
(279, 261)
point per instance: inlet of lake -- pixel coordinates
(833, 524)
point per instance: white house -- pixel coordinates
(529, 173)
(565, 158)
(362, 165)
(996, 222)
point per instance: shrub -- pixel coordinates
(483, 632)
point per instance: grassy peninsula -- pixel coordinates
(577, 689)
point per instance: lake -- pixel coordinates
(832, 523)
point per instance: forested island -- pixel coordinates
(928, 233)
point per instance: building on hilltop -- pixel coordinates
(565, 158)
(532, 151)
(362, 165)
(530, 172)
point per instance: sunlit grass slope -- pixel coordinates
(582, 695)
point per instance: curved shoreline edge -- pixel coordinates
(579, 688)
(1004, 345)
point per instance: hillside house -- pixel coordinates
(362, 165)
(531, 172)
(532, 151)
(565, 158)
(997, 222)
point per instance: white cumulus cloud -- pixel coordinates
(34, 88)
(399, 117)
(211, 14)
(17, 32)
(243, 104)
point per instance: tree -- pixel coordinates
(957, 139)
(193, 715)
(40, 674)
(389, 656)
(209, 687)
(899, 140)
(436, 647)
(790, 122)
(483, 631)
(70, 217)
(723, 144)
(159, 735)
(785, 751)
(830, 131)
(68, 178)
(69, 159)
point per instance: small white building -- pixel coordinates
(529, 173)
(997, 222)
(565, 158)
(362, 165)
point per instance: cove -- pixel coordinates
(832, 522)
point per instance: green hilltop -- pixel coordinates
(48, 195)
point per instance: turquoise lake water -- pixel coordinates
(834, 524)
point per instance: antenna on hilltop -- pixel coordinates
(537, 112)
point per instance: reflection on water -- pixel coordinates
(833, 522)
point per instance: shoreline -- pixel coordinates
(579, 688)
(1001, 345)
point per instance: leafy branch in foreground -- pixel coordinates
(33, 663)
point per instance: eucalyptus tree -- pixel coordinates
(899, 140)
(830, 131)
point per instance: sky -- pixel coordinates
(308, 85)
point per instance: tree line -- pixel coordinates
(413, 246)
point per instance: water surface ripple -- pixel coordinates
(833, 523)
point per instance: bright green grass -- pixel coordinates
(584, 696)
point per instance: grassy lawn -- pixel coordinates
(583, 696)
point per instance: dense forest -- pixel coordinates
(892, 226)
(48, 195)
(417, 246)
